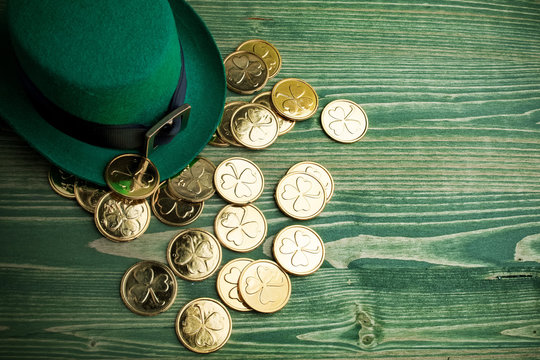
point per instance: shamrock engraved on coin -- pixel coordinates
(197, 179)
(301, 194)
(240, 182)
(202, 324)
(295, 100)
(253, 123)
(66, 180)
(194, 252)
(301, 245)
(263, 284)
(232, 278)
(240, 227)
(245, 71)
(122, 217)
(167, 205)
(147, 286)
(343, 122)
(132, 179)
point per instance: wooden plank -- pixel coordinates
(432, 236)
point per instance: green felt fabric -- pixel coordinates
(111, 62)
(205, 93)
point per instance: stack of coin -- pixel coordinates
(304, 191)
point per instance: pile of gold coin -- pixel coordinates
(257, 124)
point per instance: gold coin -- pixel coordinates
(195, 182)
(319, 172)
(132, 176)
(295, 99)
(88, 194)
(344, 121)
(300, 196)
(240, 228)
(299, 250)
(266, 51)
(148, 288)
(121, 219)
(245, 72)
(203, 325)
(194, 254)
(62, 182)
(264, 286)
(254, 126)
(227, 283)
(224, 128)
(239, 181)
(265, 99)
(173, 211)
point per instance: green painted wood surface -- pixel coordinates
(432, 236)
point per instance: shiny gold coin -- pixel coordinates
(299, 250)
(148, 288)
(265, 99)
(88, 194)
(194, 254)
(300, 196)
(239, 181)
(173, 211)
(264, 286)
(344, 121)
(227, 283)
(266, 51)
(132, 176)
(245, 72)
(203, 325)
(195, 182)
(254, 126)
(62, 182)
(240, 228)
(319, 172)
(224, 128)
(121, 219)
(295, 99)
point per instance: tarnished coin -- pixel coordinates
(299, 250)
(300, 196)
(295, 99)
(195, 182)
(254, 126)
(239, 180)
(245, 72)
(224, 128)
(266, 51)
(121, 219)
(132, 176)
(265, 98)
(194, 254)
(344, 121)
(148, 288)
(264, 287)
(173, 211)
(319, 172)
(203, 325)
(227, 283)
(88, 194)
(240, 228)
(62, 182)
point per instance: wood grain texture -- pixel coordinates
(433, 233)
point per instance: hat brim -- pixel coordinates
(205, 93)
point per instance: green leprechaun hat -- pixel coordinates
(84, 81)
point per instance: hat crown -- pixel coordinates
(109, 62)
